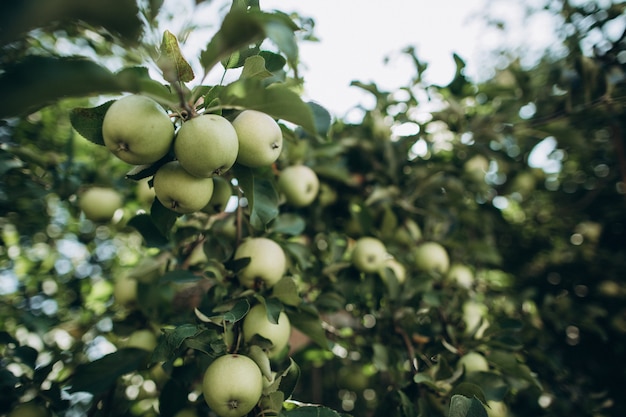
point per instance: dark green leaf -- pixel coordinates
(286, 291)
(322, 119)
(99, 375)
(461, 406)
(152, 236)
(288, 223)
(238, 311)
(307, 320)
(289, 378)
(180, 275)
(27, 355)
(311, 411)
(470, 390)
(261, 194)
(273, 62)
(276, 100)
(88, 121)
(171, 62)
(173, 398)
(273, 307)
(162, 217)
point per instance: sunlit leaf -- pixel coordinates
(261, 194)
(171, 62)
(88, 121)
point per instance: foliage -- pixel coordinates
(521, 178)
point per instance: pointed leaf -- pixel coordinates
(286, 291)
(288, 223)
(261, 195)
(273, 307)
(254, 67)
(276, 100)
(307, 320)
(151, 234)
(162, 217)
(171, 62)
(461, 406)
(88, 121)
(99, 375)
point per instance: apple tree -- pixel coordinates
(180, 244)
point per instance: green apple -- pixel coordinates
(206, 145)
(125, 290)
(461, 274)
(137, 130)
(431, 257)
(99, 203)
(475, 318)
(473, 362)
(28, 410)
(256, 322)
(180, 191)
(222, 192)
(496, 409)
(260, 138)
(299, 184)
(267, 266)
(476, 167)
(232, 385)
(369, 254)
(144, 193)
(143, 339)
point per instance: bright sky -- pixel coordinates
(357, 35)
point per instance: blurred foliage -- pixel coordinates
(522, 178)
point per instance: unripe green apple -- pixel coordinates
(476, 167)
(260, 138)
(431, 257)
(461, 274)
(474, 316)
(28, 410)
(206, 145)
(497, 409)
(125, 290)
(99, 203)
(473, 362)
(222, 191)
(267, 266)
(137, 130)
(144, 193)
(299, 184)
(142, 339)
(180, 191)
(369, 254)
(232, 385)
(256, 322)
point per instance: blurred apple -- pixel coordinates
(99, 203)
(431, 257)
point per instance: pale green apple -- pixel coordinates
(256, 322)
(222, 192)
(180, 191)
(431, 257)
(125, 290)
(267, 266)
(232, 385)
(260, 138)
(461, 274)
(99, 203)
(369, 254)
(299, 184)
(142, 339)
(206, 145)
(144, 193)
(137, 130)
(476, 167)
(473, 362)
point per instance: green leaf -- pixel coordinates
(254, 67)
(98, 376)
(311, 411)
(286, 291)
(171, 341)
(289, 378)
(261, 194)
(470, 390)
(273, 62)
(289, 224)
(276, 100)
(88, 121)
(321, 117)
(38, 81)
(153, 238)
(273, 308)
(307, 320)
(162, 217)
(280, 29)
(180, 276)
(120, 17)
(171, 62)
(461, 406)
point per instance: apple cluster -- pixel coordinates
(137, 130)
